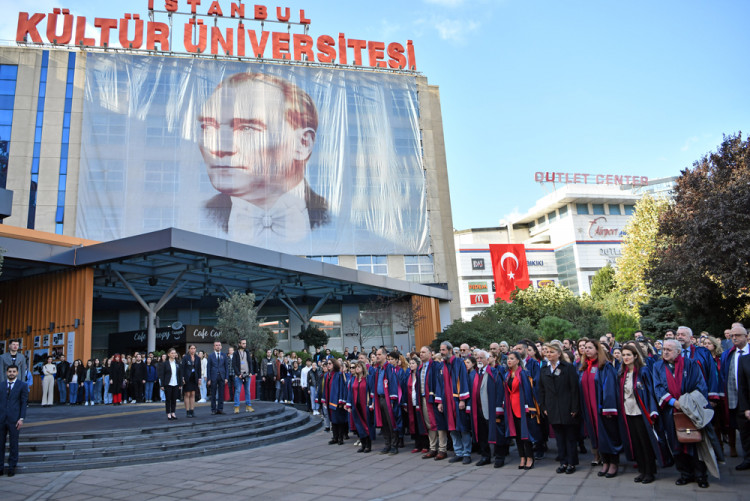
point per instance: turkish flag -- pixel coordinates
(509, 269)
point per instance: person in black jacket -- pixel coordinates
(116, 378)
(170, 379)
(559, 400)
(138, 378)
(191, 379)
(76, 375)
(63, 366)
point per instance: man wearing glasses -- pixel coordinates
(732, 364)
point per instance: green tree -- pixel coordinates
(238, 319)
(658, 314)
(556, 328)
(704, 236)
(313, 336)
(603, 283)
(638, 249)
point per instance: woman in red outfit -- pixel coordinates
(116, 377)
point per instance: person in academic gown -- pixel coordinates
(357, 404)
(334, 401)
(521, 410)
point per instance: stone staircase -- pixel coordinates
(162, 441)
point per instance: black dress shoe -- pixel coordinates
(12, 471)
(456, 459)
(683, 481)
(648, 479)
(745, 465)
(483, 461)
(467, 460)
(570, 469)
(333, 441)
(561, 468)
(530, 466)
(702, 482)
(499, 462)
(385, 450)
(601, 473)
(639, 478)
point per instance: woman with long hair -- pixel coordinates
(191, 379)
(105, 380)
(521, 419)
(76, 374)
(358, 407)
(414, 421)
(116, 379)
(600, 397)
(334, 400)
(170, 377)
(49, 370)
(151, 377)
(638, 411)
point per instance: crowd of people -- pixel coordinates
(660, 403)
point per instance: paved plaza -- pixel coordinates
(307, 467)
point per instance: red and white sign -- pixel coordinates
(598, 229)
(479, 298)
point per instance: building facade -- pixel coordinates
(569, 235)
(67, 155)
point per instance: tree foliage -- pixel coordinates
(237, 319)
(603, 283)
(556, 328)
(703, 242)
(313, 336)
(638, 249)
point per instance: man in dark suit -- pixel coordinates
(218, 371)
(743, 390)
(13, 399)
(257, 134)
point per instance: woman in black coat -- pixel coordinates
(116, 377)
(559, 400)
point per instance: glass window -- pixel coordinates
(325, 259)
(419, 268)
(552, 216)
(582, 208)
(541, 221)
(614, 209)
(563, 210)
(161, 177)
(328, 319)
(598, 209)
(629, 210)
(373, 264)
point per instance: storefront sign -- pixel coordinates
(544, 283)
(579, 178)
(478, 287)
(202, 334)
(477, 263)
(599, 229)
(479, 298)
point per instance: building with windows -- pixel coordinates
(568, 235)
(103, 157)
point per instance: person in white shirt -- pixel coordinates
(303, 383)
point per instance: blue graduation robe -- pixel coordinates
(601, 423)
(529, 408)
(452, 388)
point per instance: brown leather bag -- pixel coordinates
(687, 432)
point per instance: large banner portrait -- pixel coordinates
(301, 160)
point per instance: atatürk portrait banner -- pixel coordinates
(302, 160)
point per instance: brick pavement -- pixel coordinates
(307, 467)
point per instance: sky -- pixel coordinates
(631, 87)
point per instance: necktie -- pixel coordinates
(686, 353)
(10, 385)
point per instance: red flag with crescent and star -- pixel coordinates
(509, 269)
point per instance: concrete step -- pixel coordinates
(298, 426)
(176, 443)
(158, 433)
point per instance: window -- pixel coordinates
(161, 177)
(541, 221)
(328, 319)
(582, 208)
(8, 75)
(563, 210)
(629, 210)
(37, 141)
(614, 209)
(276, 318)
(325, 259)
(552, 216)
(158, 218)
(598, 209)
(373, 264)
(64, 146)
(111, 177)
(419, 268)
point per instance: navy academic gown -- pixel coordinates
(452, 388)
(601, 424)
(529, 408)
